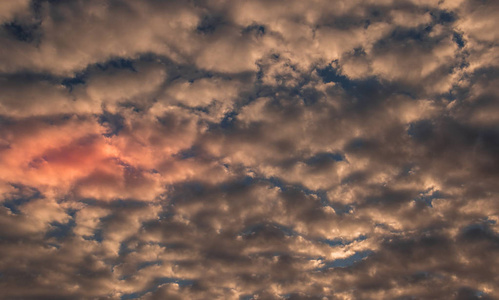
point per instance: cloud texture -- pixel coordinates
(212, 149)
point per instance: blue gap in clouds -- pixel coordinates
(97, 236)
(184, 192)
(459, 40)
(324, 157)
(342, 242)
(480, 232)
(210, 23)
(124, 250)
(22, 32)
(331, 74)
(81, 77)
(187, 153)
(310, 96)
(421, 131)
(357, 144)
(14, 203)
(146, 264)
(60, 231)
(403, 34)
(428, 199)
(347, 262)
(298, 187)
(443, 16)
(487, 220)
(364, 92)
(114, 123)
(228, 120)
(259, 30)
(339, 209)
(118, 63)
(70, 82)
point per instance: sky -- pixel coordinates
(249, 149)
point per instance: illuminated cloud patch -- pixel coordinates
(249, 149)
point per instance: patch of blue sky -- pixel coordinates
(346, 262)
(428, 196)
(14, 202)
(343, 242)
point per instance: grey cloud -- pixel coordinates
(248, 150)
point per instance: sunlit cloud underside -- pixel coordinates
(257, 149)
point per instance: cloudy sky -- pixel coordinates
(249, 149)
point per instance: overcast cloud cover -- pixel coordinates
(252, 149)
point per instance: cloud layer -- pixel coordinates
(249, 149)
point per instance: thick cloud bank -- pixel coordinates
(256, 149)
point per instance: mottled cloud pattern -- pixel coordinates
(257, 149)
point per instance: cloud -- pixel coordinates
(10, 9)
(248, 150)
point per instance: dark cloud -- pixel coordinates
(249, 150)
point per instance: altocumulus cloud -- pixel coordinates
(253, 149)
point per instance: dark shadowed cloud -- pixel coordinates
(252, 149)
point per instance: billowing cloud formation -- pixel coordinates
(249, 149)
